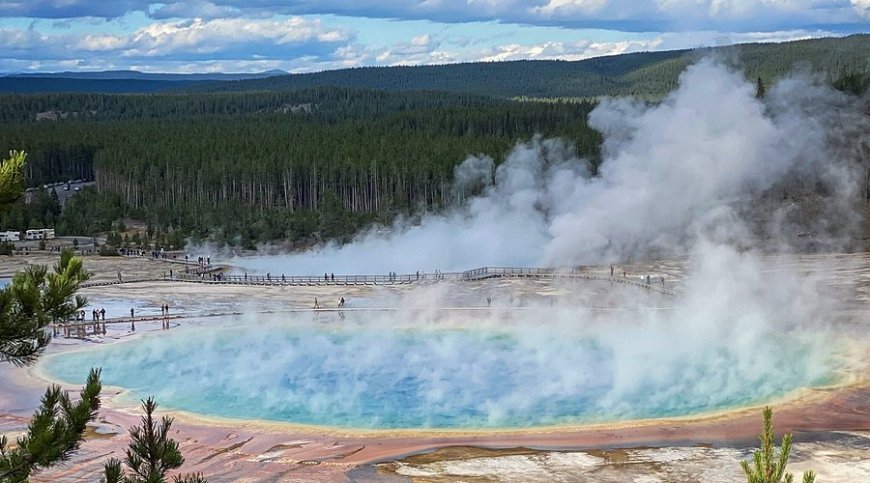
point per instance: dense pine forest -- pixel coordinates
(277, 159)
(251, 167)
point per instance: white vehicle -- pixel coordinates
(40, 234)
(10, 236)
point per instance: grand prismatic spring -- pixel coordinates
(360, 372)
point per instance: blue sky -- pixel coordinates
(313, 35)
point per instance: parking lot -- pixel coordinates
(64, 189)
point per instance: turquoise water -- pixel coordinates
(357, 376)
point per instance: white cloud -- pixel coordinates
(584, 7)
(98, 43)
(194, 9)
(199, 33)
(862, 7)
(582, 49)
(623, 15)
(216, 39)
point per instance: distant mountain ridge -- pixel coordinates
(641, 74)
(644, 74)
(151, 76)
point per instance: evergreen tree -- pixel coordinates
(55, 432)
(11, 177)
(33, 300)
(767, 467)
(759, 89)
(151, 453)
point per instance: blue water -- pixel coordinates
(367, 377)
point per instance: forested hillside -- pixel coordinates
(648, 74)
(313, 164)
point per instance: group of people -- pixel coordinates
(132, 252)
(317, 305)
(201, 261)
(96, 314)
(647, 280)
(159, 254)
(164, 309)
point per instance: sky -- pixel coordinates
(315, 35)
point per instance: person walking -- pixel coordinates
(103, 316)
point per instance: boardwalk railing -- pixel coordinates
(278, 280)
(500, 272)
(476, 274)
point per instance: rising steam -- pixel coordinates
(672, 172)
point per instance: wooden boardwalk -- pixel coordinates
(82, 330)
(552, 273)
(484, 273)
